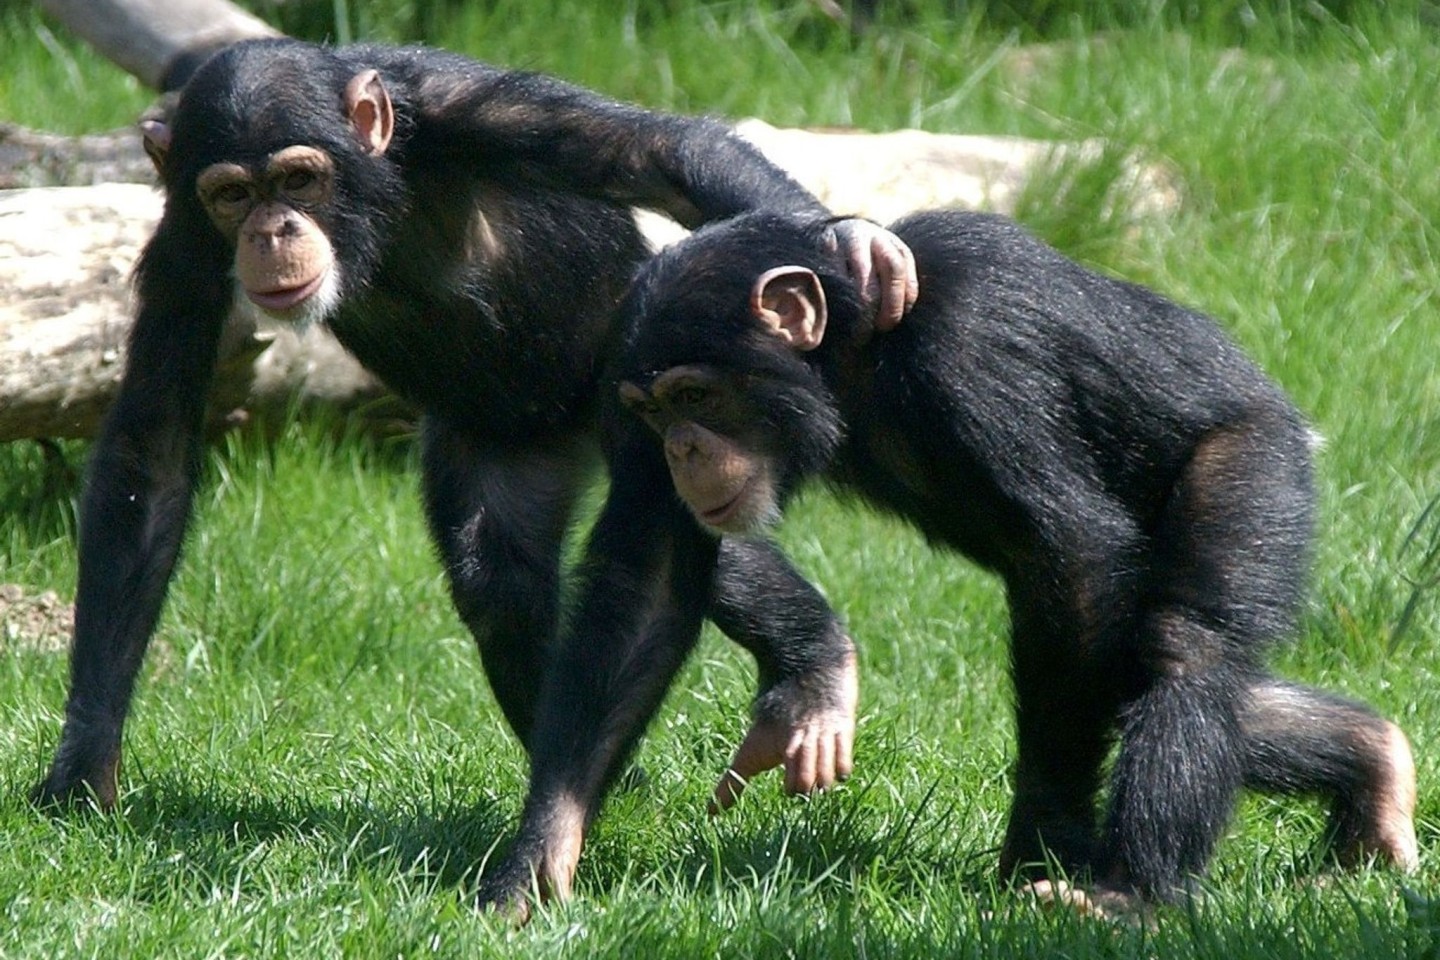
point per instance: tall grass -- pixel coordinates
(315, 765)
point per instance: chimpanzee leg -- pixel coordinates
(1225, 574)
(643, 592)
(1302, 741)
(1063, 723)
(1177, 773)
(499, 517)
(804, 713)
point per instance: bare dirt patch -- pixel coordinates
(35, 621)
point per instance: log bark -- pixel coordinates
(158, 41)
(31, 158)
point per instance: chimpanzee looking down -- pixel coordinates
(1141, 488)
(464, 231)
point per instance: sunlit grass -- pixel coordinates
(315, 766)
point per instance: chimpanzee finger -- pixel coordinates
(801, 758)
(761, 750)
(824, 763)
(882, 266)
(844, 754)
(856, 239)
(894, 264)
(890, 278)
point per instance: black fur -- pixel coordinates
(1142, 489)
(482, 254)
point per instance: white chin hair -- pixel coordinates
(764, 520)
(301, 317)
(751, 522)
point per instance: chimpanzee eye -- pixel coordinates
(304, 185)
(229, 197)
(690, 396)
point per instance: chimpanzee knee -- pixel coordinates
(1303, 741)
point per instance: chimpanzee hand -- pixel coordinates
(510, 891)
(805, 723)
(883, 268)
(540, 865)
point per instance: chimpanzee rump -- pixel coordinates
(1142, 489)
(462, 229)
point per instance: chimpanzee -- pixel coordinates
(464, 231)
(1141, 488)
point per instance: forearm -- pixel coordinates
(538, 129)
(643, 601)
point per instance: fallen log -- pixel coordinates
(159, 41)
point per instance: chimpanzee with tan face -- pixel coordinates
(1141, 488)
(464, 230)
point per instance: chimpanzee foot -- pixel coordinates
(1099, 902)
(541, 865)
(83, 775)
(1386, 833)
(806, 724)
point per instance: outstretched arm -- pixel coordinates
(645, 589)
(694, 169)
(804, 716)
(136, 505)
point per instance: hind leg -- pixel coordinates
(1177, 773)
(1225, 571)
(1063, 719)
(1302, 741)
(499, 515)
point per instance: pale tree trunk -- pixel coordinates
(159, 41)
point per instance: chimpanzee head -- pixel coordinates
(723, 338)
(282, 146)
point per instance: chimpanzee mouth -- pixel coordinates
(279, 301)
(718, 516)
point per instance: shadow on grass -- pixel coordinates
(825, 850)
(191, 840)
(837, 878)
(218, 840)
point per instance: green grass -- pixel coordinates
(315, 766)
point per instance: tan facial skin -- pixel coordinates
(728, 487)
(284, 261)
(282, 256)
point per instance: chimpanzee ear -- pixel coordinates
(791, 302)
(155, 134)
(371, 113)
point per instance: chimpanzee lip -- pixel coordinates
(288, 297)
(718, 515)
